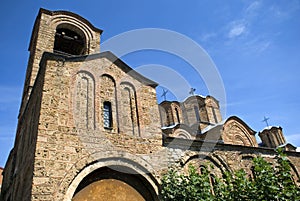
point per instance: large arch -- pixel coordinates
(236, 131)
(132, 176)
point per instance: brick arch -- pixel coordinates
(107, 92)
(121, 172)
(77, 24)
(118, 160)
(176, 113)
(212, 102)
(214, 159)
(84, 100)
(166, 113)
(246, 163)
(238, 138)
(69, 40)
(129, 109)
(110, 77)
(181, 133)
(295, 173)
(235, 131)
(213, 109)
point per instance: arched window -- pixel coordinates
(107, 115)
(177, 115)
(129, 110)
(170, 119)
(214, 114)
(196, 109)
(84, 101)
(212, 180)
(68, 42)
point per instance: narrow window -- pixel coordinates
(170, 119)
(214, 114)
(177, 115)
(196, 109)
(107, 115)
(270, 141)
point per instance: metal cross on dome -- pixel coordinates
(266, 120)
(192, 91)
(164, 94)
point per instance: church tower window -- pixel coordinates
(68, 42)
(107, 115)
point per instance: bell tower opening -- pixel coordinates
(69, 41)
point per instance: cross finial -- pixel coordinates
(164, 94)
(192, 91)
(266, 120)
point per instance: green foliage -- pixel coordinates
(269, 183)
(187, 187)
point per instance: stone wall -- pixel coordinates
(64, 134)
(19, 168)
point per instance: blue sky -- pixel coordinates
(255, 46)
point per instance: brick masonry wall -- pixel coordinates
(61, 144)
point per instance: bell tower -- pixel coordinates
(272, 137)
(60, 32)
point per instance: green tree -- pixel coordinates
(270, 182)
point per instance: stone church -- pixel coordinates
(90, 127)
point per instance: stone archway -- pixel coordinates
(117, 179)
(115, 183)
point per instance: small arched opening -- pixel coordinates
(69, 40)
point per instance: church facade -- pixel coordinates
(89, 126)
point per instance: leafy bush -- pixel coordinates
(269, 183)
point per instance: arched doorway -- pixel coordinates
(114, 183)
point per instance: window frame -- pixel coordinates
(107, 115)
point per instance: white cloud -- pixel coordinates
(237, 29)
(253, 8)
(207, 36)
(257, 45)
